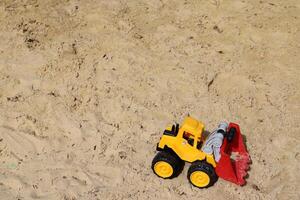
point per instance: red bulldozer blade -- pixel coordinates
(235, 159)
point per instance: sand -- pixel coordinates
(87, 88)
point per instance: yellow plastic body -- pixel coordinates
(179, 144)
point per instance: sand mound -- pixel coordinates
(87, 87)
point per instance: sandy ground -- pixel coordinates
(87, 87)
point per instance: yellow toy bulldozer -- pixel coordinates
(220, 154)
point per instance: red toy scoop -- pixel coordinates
(235, 159)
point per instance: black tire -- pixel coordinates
(172, 159)
(205, 167)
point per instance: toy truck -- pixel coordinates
(221, 154)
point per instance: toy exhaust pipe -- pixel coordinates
(235, 160)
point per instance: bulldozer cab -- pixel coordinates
(192, 126)
(191, 130)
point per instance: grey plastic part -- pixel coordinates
(214, 141)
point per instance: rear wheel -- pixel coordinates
(201, 174)
(167, 165)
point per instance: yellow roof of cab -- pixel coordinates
(193, 126)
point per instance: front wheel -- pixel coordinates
(201, 174)
(166, 165)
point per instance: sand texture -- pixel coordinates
(87, 87)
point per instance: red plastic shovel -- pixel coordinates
(235, 159)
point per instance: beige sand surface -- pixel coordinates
(87, 87)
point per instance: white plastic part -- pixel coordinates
(214, 141)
